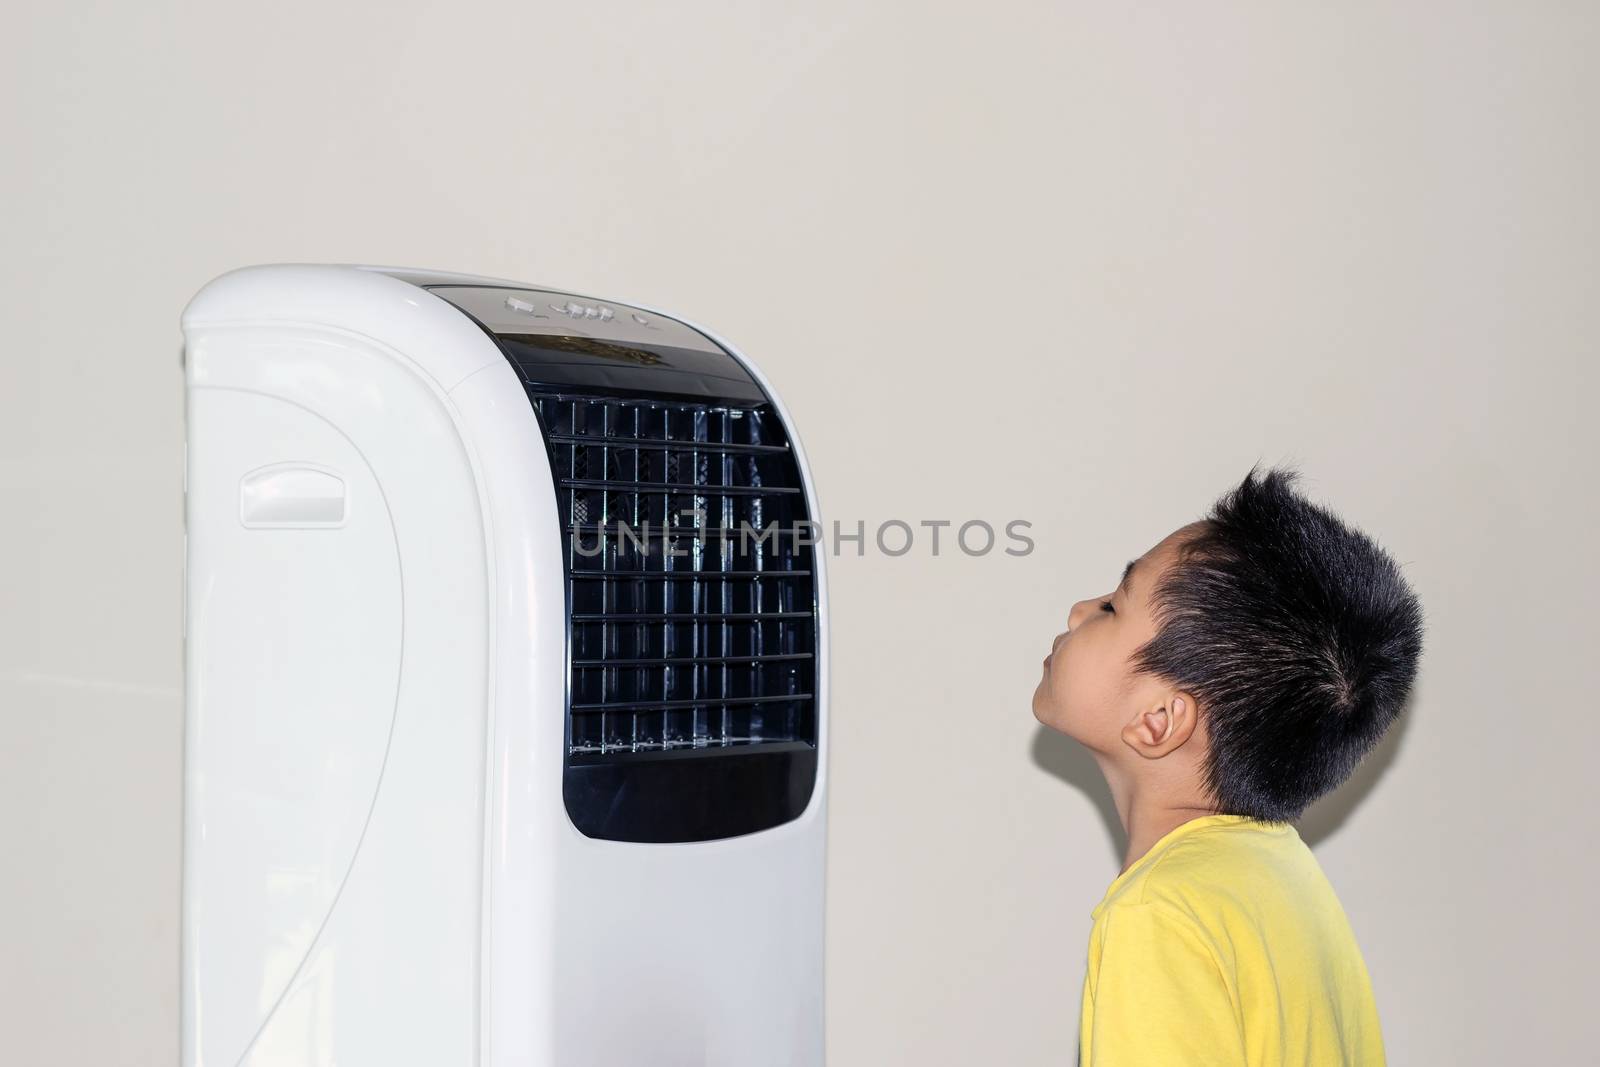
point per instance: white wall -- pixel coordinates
(1080, 264)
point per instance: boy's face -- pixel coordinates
(1086, 691)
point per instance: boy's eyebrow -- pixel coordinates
(1127, 572)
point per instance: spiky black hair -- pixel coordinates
(1296, 634)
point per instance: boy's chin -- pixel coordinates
(1053, 717)
(1048, 714)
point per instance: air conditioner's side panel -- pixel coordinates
(295, 641)
(337, 656)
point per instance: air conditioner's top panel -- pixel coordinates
(515, 310)
(556, 338)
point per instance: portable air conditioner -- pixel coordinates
(504, 738)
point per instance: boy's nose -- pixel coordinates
(1076, 614)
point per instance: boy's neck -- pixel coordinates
(1149, 811)
(1146, 828)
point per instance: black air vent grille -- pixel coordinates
(688, 633)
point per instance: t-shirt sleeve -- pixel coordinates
(1159, 996)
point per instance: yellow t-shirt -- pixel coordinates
(1225, 945)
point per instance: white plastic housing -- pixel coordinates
(379, 870)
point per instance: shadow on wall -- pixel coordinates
(1067, 760)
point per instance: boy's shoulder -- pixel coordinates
(1248, 898)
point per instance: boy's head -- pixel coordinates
(1268, 644)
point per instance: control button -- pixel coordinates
(591, 313)
(520, 305)
(606, 314)
(640, 319)
(574, 308)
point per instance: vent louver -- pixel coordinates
(689, 629)
(691, 611)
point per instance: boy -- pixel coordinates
(1241, 669)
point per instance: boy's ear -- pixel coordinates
(1156, 731)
